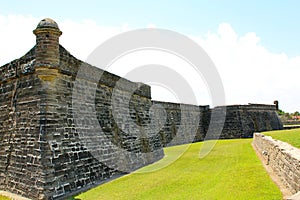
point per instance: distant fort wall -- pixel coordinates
(241, 121)
(65, 125)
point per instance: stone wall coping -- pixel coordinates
(183, 106)
(283, 159)
(250, 106)
(283, 146)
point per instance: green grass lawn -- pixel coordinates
(291, 136)
(231, 171)
(4, 198)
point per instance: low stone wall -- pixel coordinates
(283, 158)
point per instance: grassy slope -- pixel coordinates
(231, 171)
(291, 136)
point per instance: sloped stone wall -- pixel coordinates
(182, 123)
(21, 141)
(92, 132)
(54, 142)
(243, 120)
(283, 158)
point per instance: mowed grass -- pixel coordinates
(291, 136)
(4, 198)
(231, 171)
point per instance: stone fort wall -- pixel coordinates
(65, 125)
(50, 147)
(241, 121)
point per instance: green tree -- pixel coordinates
(281, 112)
(296, 113)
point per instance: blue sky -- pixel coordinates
(276, 22)
(254, 44)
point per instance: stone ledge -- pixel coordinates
(282, 158)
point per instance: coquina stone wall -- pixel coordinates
(21, 141)
(65, 125)
(243, 120)
(283, 158)
(182, 123)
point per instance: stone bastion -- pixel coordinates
(54, 142)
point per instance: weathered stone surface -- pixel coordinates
(53, 141)
(243, 120)
(65, 125)
(189, 123)
(283, 158)
(181, 123)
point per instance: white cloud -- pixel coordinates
(250, 72)
(16, 37)
(151, 26)
(80, 38)
(172, 66)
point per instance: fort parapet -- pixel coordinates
(66, 125)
